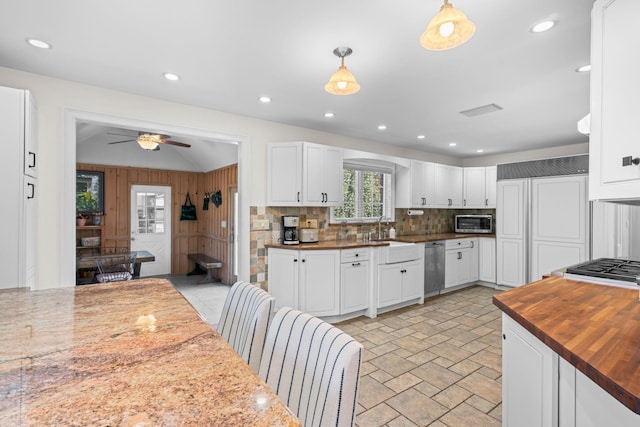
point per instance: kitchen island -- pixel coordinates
(130, 353)
(592, 334)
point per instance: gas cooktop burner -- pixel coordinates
(608, 268)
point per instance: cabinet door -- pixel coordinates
(487, 259)
(614, 101)
(464, 266)
(319, 286)
(451, 268)
(313, 173)
(549, 256)
(448, 186)
(422, 184)
(529, 378)
(490, 186)
(354, 286)
(283, 277)
(510, 214)
(333, 181)
(29, 228)
(412, 280)
(510, 262)
(473, 188)
(284, 174)
(30, 136)
(389, 284)
(474, 260)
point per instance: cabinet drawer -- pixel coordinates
(458, 244)
(351, 255)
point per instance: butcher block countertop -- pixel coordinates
(123, 354)
(349, 244)
(594, 327)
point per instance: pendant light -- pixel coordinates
(448, 29)
(342, 82)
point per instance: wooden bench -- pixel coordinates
(206, 263)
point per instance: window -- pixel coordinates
(368, 195)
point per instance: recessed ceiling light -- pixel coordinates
(543, 26)
(171, 76)
(265, 99)
(39, 44)
(452, 144)
(382, 127)
(584, 68)
(329, 115)
(420, 136)
(480, 151)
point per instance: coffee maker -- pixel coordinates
(290, 230)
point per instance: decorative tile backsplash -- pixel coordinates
(433, 221)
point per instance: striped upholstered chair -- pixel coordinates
(313, 367)
(245, 319)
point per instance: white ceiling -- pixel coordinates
(229, 53)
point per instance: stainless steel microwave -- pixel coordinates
(474, 224)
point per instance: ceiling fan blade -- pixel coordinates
(119, 142)
(156, 149)
(121, 134)
(179, 144)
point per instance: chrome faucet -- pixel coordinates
(380, 227)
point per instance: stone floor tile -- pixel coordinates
(489, 373)
(436, 339)
(400, 422)
(438, 423)
(488, 359)
(405, 354)
(417, 407)
(474, 346)
(465, 367)
(371, 326)
(393, 364)
(496, 412)
(372, 393)
(449, 351)
(452, 396)
(383, 349)
(379, 337)
(402, 382)
(366, 369)
(480, 404)
(461, 334)
(465, 415)
(444, 362)
(359, 408)
(402, 332)
(436, 375)
(410, 343)
(381, 376)
(479, 384)
(427, 389)
(422, 357)
(377, 416)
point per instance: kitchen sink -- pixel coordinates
(400, 252)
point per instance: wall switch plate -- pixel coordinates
(223, 224)
(260, 224)
(311, 223)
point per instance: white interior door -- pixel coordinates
(151, 226)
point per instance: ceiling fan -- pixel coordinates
(149, 141)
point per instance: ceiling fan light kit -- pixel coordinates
(148, 141)
(342, 82)
(448, 29)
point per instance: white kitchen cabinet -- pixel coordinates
(510, 232)
(461, 262)
(284, 174)
(18, 171)
(529, 378)
(319, 286)
(448, 186)
(473, 187)
(490, 186)
(322, 181)
(487, 259)
(355, 280)
(510, 264)
(283, 277)
(614, 102)
(304, 174)
(400, 282)
(415, 186)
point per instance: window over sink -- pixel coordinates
(368, 195)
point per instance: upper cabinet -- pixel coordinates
(448, 186)
(415, 186)
(614, 151)
(479, 187)
(304, 174)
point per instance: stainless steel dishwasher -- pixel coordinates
(434, 253)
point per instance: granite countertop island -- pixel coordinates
(123, 354)
(594, 327)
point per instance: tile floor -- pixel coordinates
(437, 364)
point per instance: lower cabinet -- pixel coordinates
(319, 286)
(487, 259)
(539, 388)
(283, 277)
(400, 282)
(461, 262)
(354, 286)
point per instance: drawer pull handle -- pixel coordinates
(355, 264)
(629, 160)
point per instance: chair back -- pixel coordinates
(115, 267)
(245, 319)
(313, 367)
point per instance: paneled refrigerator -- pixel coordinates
(542, 224)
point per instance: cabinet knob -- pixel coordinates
(295, 260)
(630, 160)
(304, 260)
(357, 254)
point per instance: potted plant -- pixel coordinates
(81, 220)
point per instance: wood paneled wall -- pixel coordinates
(204, 235)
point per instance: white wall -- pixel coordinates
(55, 96)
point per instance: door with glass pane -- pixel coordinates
(151, 226)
